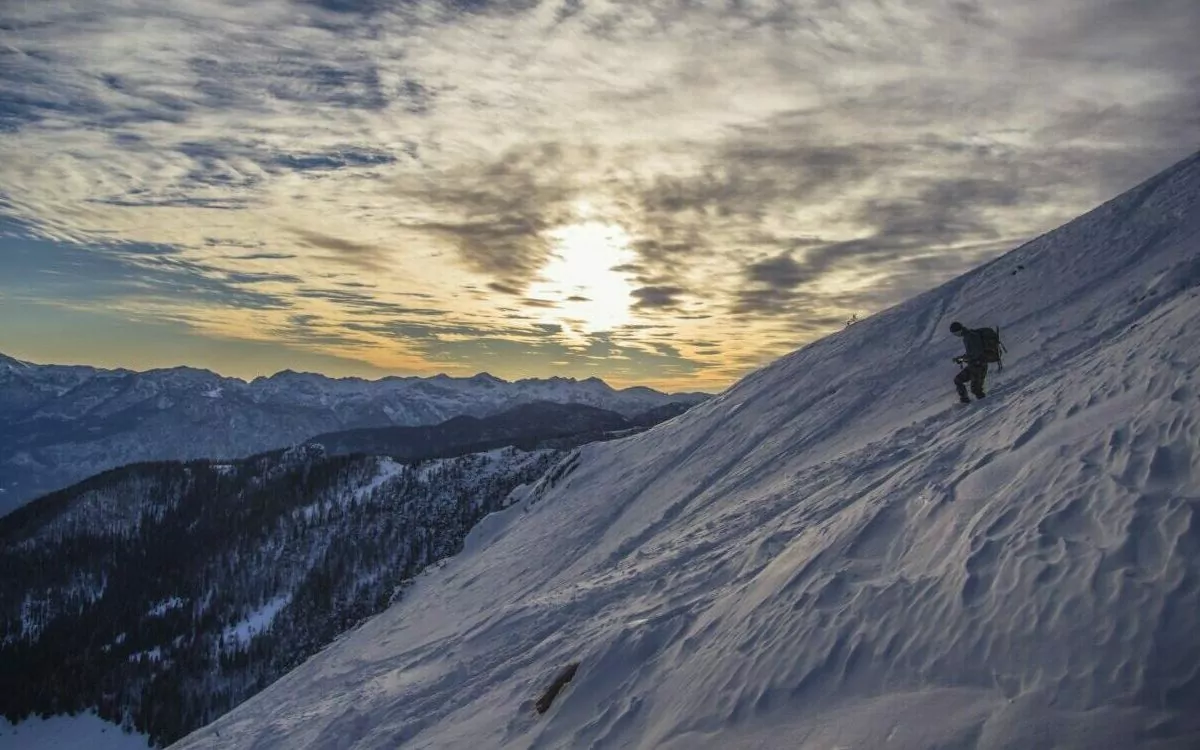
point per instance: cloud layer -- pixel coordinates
(409, 184)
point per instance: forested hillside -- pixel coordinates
(167, 593)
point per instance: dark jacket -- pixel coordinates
(974, 345)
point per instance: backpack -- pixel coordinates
(993, 348)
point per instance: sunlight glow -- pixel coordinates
(584, 280)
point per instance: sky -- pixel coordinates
(658, 193)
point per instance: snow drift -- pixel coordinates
(833, 554)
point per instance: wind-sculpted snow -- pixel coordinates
(833, 554)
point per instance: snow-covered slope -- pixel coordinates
(833, 554)
(61, 424)
(82, 732)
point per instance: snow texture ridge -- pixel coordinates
(833, 554)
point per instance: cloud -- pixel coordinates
(356, 302)
(40, 269)
(342, 80)
(545, 304)
(507, 246)
(132, 200)
(496, 286)
(267, 256)
(662, 297)
(936, 233)
(332, 159)
(796, 161)
(779, 272)
(356, 254)
(354, 7)
(496, 214)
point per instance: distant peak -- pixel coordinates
(639, 389)
(182, 370)
(290, 374)
(486, 377)
(14, 363)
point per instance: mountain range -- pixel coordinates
(62, 424)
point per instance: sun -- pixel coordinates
(585, 279)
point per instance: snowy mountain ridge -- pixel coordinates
(832, 554)
(65, 423)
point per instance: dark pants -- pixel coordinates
(974, 373)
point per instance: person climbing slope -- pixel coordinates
(982, 346)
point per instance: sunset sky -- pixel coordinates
(658, 193)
